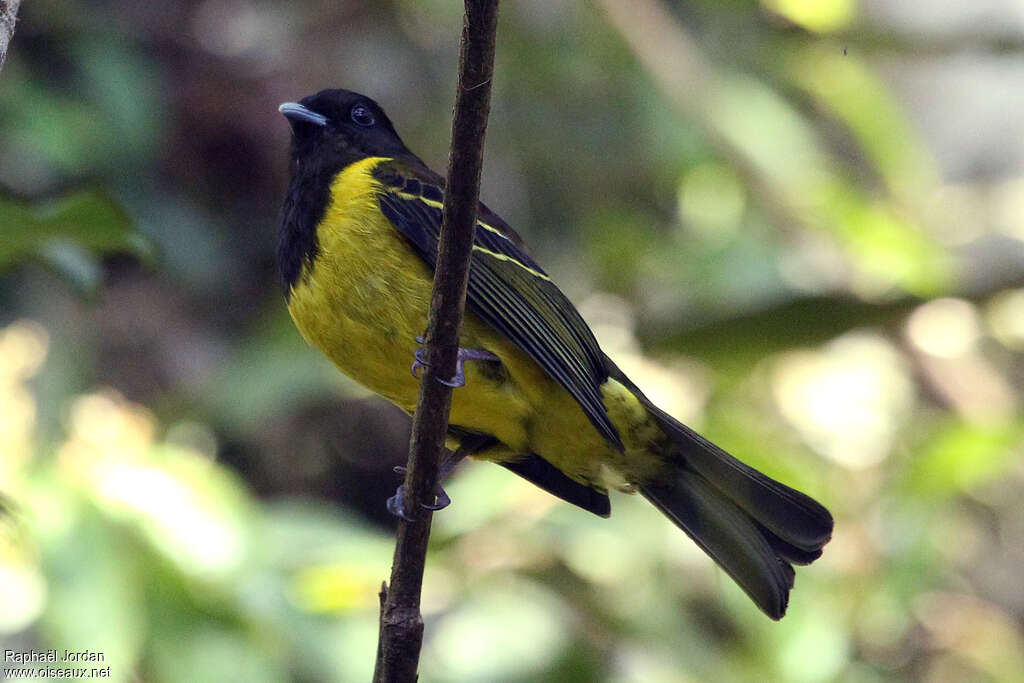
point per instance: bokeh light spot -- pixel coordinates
(820, 16)
(946, 328)
(1005, 314)
(846, 400)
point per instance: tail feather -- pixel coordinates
(753, 526)
(788, 551)
(729, 536)
(794, 517)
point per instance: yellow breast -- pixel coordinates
(364, 300)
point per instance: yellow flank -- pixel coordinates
(363, 302)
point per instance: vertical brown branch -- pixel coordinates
(401, 629)
(8, 20)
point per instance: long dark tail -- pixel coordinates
(755, 528)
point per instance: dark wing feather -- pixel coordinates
(507, 289)
(540, 472)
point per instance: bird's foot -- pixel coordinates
(396, 503)
(463, 355)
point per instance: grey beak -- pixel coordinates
(293, 111)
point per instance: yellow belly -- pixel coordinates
(364, 301)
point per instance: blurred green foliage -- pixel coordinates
(746, 201)
(66, 233)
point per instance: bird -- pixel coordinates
(358, 237)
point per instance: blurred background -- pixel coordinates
(798, 225)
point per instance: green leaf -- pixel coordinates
(87, 219)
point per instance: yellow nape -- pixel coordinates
(364, 300)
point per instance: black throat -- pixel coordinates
(304, 207)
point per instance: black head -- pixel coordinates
(330, 130)
(341, 126)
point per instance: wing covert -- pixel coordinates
(508, 290)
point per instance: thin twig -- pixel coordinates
(401, 632)
(8, 20)
(378, 670)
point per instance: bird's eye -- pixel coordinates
(362, 115)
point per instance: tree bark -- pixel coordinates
(401, 625)
(8, 20)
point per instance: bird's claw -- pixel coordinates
(421, 357)
(459, 379)
(441, 500)
(396, 503)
